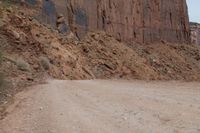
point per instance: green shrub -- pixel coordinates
(7, 3)
(44, 61)
(1, 79)
(22, 65)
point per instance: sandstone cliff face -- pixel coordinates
(128, 20)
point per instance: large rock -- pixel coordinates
(129, 20)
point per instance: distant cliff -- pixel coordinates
(128, 20)
(195, 33)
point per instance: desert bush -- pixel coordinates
(3, 40)
(44, 61)
(7, 3)
(22, 65)
(1, 56)
(5, 84)
(2, 81)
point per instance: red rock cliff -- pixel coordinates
(129, 20)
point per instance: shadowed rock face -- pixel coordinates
(143, 21)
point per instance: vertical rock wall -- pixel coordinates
(129, 20)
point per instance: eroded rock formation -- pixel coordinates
(195, 33)
(129, 20)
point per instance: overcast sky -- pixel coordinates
(194, 10)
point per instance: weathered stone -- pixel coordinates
(22, 2)
(195, 33)
(16, 34)
(72, 37)
(62, 28)
(60, 15)
(60, 20)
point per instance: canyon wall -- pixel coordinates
(143, 21)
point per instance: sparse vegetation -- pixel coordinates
(4, 85)
(7, 3)
(22, 65)
(1, 75)
(1, 80)
(1, 56)
(44, 61)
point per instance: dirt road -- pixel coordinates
(106, 107)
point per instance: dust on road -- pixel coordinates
(100, 106)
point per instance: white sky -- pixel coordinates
(194, 10)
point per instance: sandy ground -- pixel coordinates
(105, 107)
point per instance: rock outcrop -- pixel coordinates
(195, 33)
(143, 21)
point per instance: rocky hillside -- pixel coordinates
(33, 47)
(142, 21)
